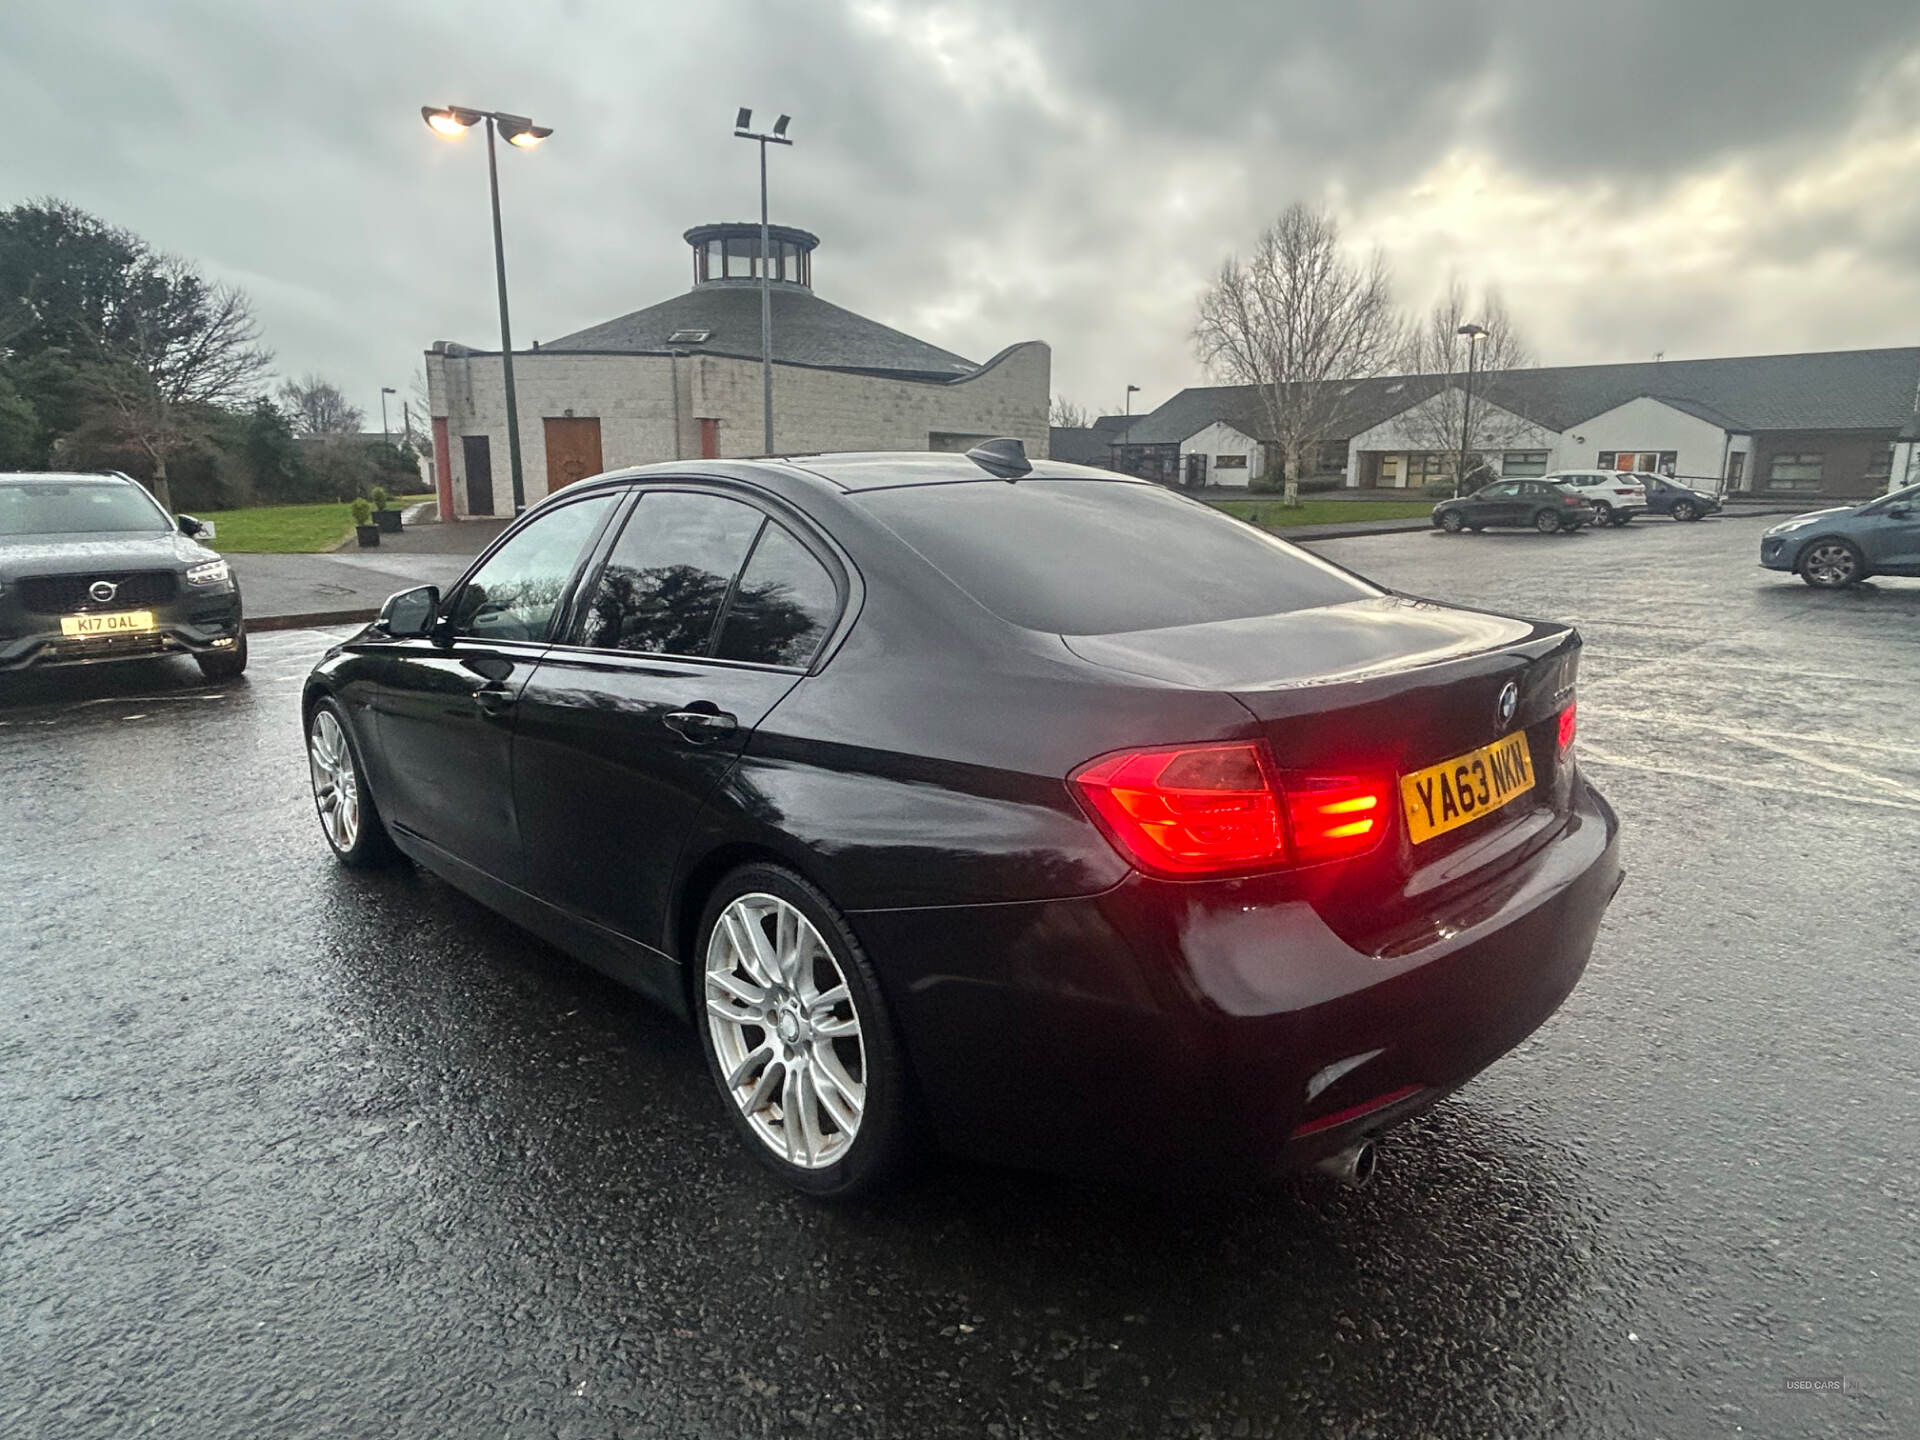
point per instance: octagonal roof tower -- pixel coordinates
(720, 315)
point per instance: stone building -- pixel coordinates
(682, 380)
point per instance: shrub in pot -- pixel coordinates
(362, 516)
(387, 520)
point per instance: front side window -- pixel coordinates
(667, 578)
(1499, 492)
(784, 606)
(83, 507)
(514, 595)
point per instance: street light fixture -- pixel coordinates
(1475, 334)
(386, 432)
(1132, 390)
(451, 122)
(743, 130)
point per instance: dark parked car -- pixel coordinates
(1682, 502)
(1833, 548)
(1539, 505)
(92, 568)
(1011, 804)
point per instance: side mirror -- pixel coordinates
(410, 614)
(1899, 512)
(196, 529)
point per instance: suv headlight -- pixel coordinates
(208, 572)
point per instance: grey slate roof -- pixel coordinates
(1827, 390)
(806, 331)
(1366, 405)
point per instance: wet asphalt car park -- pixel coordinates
(294, 1150)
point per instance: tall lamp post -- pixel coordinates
(1475, 334)
(1131, 391)
(743, 130)
(386, 431)
(453, 121)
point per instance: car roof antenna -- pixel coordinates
(1003, 457)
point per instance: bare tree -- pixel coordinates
(187, 349)
(1436, 349)
(317, 407)
(1067, 415)
(1301, 321)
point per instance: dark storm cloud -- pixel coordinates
(979, 173)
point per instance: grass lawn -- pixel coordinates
(1272, 515)
(287, 529)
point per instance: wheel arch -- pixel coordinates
(691, 892)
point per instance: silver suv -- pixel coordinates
(1616, 498)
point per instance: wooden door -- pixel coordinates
(479, 458)
(573, 449)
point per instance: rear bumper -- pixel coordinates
(190, 625)
(1169, 1033)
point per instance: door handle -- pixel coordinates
(493, 699)
(699, 726)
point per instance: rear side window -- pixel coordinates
(784, 606)
(663, 586)
(1077, 557)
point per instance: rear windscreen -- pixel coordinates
(1077, 557)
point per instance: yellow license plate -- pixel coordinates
(120, 622)
(1456, 792)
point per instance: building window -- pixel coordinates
(739, 258)
(1229, 462)
(1795, 472)
(1880, 464)
(1523, 462)
(1333, 457)
(1736, 468)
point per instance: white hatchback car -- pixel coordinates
(1616, 498)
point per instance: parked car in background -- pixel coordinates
(1006, 801)
(1669, 497)
(1842, 546)
(1616, 496)
(1537, 504)
(93, 568)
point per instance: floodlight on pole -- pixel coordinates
(386, 432)
(451, 122)
(743, 130)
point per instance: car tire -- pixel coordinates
(748, 1004)
(1548, 523)
(220, 666)
(1831, 563)
(1602, 514)
(349, 818)
(1684, 510)
(1451, 522)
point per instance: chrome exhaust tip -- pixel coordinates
(1352, 1167)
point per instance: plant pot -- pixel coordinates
(387, 520)
(369, 536)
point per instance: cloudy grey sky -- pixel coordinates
(1689, 176)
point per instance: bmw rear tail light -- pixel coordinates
(1567, 726)
(1187, 811)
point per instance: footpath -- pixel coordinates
(347, 587)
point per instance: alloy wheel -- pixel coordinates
(336, 788)
(1830, 564)
(1451, 522)
(1683, 510)
(785, 1031)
